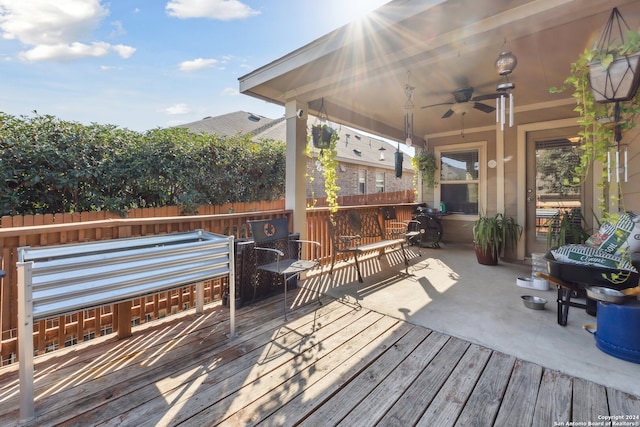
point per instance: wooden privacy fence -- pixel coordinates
(50, 334)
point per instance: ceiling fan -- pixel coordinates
(464, 102)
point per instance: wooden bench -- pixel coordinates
(57, 280)
(355, 233)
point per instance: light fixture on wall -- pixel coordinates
(505, 64)
(381, 150)
(408, 112)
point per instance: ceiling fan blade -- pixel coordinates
(484, 107)
(447, 114)
(487, 96)
(437, 105)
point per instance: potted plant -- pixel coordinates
(614, 64)
(491, 234)
(321, 136)
(567, 229)
(602, 123)
(425, 162)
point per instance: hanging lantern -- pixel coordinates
(506, 63)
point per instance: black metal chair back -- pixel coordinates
(277, 252)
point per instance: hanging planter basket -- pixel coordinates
(321, 136)
(614, 73)
(619, 82)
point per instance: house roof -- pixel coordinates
(230, 124)
(353, 146)
(359, 72)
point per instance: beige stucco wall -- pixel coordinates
(631, 188)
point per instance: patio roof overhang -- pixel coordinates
(360, 70)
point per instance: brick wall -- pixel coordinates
(348, 180)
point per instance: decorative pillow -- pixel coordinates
(585, 255)
(619, 238)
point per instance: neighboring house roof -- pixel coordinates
(353, 146)
(239, 122)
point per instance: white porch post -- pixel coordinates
(296, 184)
(25, 341)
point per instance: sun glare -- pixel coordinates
(356, 9)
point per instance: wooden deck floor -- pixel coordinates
(335, 364)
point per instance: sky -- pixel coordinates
(144, 64)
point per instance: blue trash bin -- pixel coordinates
(618, 330)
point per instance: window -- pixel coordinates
(379, 182)
(461, 172)
(362, 181)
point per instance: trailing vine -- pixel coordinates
(597, 133)
(329, 166)
(426, 163)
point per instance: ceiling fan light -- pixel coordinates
(506, 63)
(462, 107)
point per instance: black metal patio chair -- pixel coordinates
(395, 229)
(278, 253)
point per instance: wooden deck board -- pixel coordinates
(342, 375)
(450, 400)
(518, 405)
(291, 376)
(187, 396)
(274, 398)
(357, 389)
(417, 397)
(482, 406)
(589, 400)
(554, 399)
(384, 393)
(332, 364)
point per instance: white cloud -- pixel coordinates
(64, 52)
(124, 51)
(56, 30)
(197, 64)
(230, 91)
(177, 109)
(224, 10)
(37, 22)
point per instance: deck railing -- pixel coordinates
(44, 230)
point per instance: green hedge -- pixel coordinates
(51, 166)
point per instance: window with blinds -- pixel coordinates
(362, 181)
(379, 182)
(459, 180)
